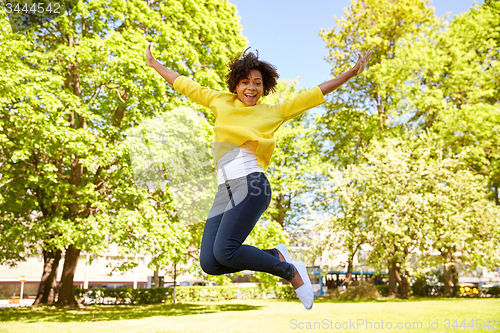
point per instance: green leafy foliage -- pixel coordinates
(291, 179)
(184, 294)
(81, 82)
(437, 80)
(367, 106)
(408, 202)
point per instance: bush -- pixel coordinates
(494, 291)
(183, 294)
(365, 291)
(429, 284)
(383, 290)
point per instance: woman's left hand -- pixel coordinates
(150, 60)
(362, 62)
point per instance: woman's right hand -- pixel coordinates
(150, 60)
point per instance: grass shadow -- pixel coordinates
(321, 299)
(390, 299)
(115, 312)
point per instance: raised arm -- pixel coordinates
(168, 74)
(329, 86)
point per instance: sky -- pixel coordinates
(286, 32)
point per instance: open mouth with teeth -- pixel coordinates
(249, 97)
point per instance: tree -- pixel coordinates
(367, 107)
(349, 216)
(449, 84)
(24, 195)
(13, 236)
(291, 179)
(171, 157)
(424, 75)
(418, 201)
(94, 87)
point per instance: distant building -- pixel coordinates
(90, 274)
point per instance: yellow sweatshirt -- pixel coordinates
(238, 123)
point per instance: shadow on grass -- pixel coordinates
(321, 299)
(115, 312)
(396, 299)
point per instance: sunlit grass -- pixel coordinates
(258, 316)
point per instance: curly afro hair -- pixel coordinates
(241, 65)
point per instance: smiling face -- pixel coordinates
(249, 90)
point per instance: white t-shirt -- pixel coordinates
(239, 162)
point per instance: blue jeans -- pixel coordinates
(237, 207)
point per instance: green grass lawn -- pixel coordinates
(263, 316)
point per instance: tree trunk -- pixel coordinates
(175, 283)
(447, 275)
(454, 280)
(393, 289)
(66, 290)
(48, 284)
(401, 292)
(404, 290)
(156, 277)
(348, 278)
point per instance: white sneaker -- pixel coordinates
(284, 251)
(304, 292)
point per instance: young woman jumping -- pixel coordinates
(244, 145)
